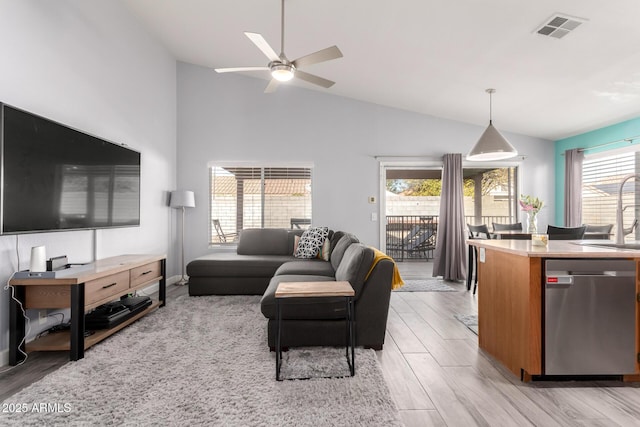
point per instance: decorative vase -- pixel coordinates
(532, 222)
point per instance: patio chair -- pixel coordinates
(396, 243)
(424, 241)
(222, 236)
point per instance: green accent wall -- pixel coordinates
(618, 132)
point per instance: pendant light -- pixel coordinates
(491, 145)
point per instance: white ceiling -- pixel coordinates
(435, 57)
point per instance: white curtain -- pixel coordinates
(449, 260)
(573, 187)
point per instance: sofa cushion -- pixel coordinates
(264, 241)
(312, 267)
(311, 241)
(229, 264)
(355, 265)
(341, 246)
(302, 308)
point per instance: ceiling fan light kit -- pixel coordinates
(491, 145)
(283, 70)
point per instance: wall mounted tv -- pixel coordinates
(55, 178)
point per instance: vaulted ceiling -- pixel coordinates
(433, 57)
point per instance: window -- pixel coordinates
(601, 177)
(412, 204)
(258, 197)
(491, 195)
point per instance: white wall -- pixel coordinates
(89, 65)
(227, 117)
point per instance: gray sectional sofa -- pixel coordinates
(264, 258)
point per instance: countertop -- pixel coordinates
(556, 249)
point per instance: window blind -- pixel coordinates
(601, 178)
(259, 197)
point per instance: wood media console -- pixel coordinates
(82, 289)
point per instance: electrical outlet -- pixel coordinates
(42, 317)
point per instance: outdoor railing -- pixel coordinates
(488, 220)
(411, 237)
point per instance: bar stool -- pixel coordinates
(475, 232)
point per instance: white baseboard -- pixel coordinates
(173, 279)
(4, 357)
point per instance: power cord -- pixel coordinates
(24, 312)
(28, 331)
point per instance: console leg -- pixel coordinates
(77, 322)
(162, 286)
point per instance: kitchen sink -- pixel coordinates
(631, 246)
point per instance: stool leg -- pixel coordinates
(470, 268)
(352, 338)
(475, 285)
(278, 347)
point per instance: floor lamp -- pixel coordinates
(182, 200)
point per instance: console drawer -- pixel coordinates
(105, 287)
(144, 273)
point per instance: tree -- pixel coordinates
(423, 187)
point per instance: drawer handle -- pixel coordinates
(147, 272)
(108, 286)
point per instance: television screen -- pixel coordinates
(57, 178)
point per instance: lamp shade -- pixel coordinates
(491, 146)
(183, 199)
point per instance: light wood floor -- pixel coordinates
(439, 377)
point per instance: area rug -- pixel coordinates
(469, 320)
(425, 285)
(204, 361)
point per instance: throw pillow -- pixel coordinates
(296, 241)
(311, 241)
(325, 250)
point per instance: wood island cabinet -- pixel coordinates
(82, 289)
(511, 299)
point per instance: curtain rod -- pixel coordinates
(629, 140)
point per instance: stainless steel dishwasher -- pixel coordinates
(589, 317)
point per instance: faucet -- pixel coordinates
(620, 231)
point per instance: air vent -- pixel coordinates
(558, 26)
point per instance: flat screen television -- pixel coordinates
(55, 178)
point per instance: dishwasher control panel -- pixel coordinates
(560, 280)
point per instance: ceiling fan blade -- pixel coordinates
(262, 44)
(320, 56)
(272, 86)
(233, 70)
(313, 79)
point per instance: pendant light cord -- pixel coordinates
(490, 92)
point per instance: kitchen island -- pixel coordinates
(511, 299)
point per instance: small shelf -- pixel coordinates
(60, 341)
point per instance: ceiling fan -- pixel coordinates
(281, 68)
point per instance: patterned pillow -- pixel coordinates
(311, 241)
(324, 252)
